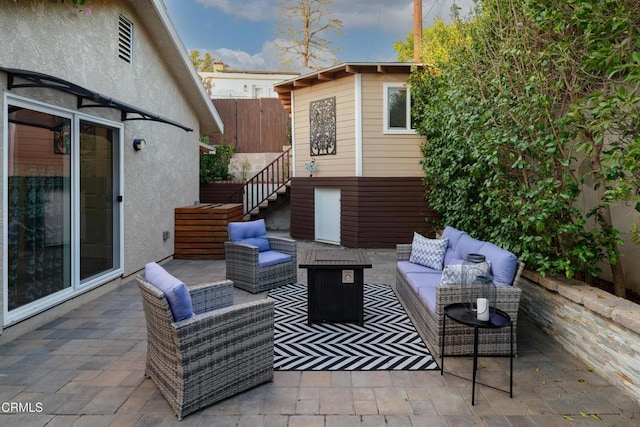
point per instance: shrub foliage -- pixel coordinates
(535, 112)
(215, 166)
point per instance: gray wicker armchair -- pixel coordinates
(216, 354)
(256, 262)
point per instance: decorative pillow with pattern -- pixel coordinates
(428, 252)
(453, 274)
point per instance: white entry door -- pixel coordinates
(327, 215)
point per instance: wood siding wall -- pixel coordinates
(385, 154)
(343, 162)
(253, 125)
(375, 212)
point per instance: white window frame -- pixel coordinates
(77, 287)
(396, 131)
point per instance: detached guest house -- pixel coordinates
(357, 175)
(101, 114)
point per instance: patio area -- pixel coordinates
(87, 369)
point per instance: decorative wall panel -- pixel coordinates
(322, 121)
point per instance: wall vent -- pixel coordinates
(125, 39)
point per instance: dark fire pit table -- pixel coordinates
(335, 284)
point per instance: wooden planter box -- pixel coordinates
(221, 192)
(201, 230)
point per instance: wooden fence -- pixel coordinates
(252, 125)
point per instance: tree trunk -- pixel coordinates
(617, 272)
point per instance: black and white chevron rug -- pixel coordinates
(387, 340)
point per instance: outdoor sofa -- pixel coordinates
(425, 291)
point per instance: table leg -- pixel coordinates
(308, 297)
(511, 364)
(475, 364)
(444, 333)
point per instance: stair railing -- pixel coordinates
(265, 183)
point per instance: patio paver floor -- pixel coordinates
(86, 368)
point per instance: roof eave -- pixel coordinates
(284, 88)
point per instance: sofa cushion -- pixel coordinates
(452, 274)
(405, 267)
(453, 235)
(451, 257)
(174, 290)
(424, 284)
(428, 296)
(468, 245)
(428, 252)
(268, 258)
(418, 280)
(251, 233)
(503, 264)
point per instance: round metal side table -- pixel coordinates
(460, 313)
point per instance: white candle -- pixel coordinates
(483, 309)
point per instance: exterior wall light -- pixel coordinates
(139, 144)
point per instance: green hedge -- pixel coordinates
(539, 105)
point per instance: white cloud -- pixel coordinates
(265, 60)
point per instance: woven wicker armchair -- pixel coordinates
(216, 354)
(245, 259)
(459, 339)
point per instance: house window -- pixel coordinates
(125, 39)
(397, 108)
(63, 216)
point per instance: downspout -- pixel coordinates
(293, 136)
(358, 124)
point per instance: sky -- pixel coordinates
(242, 33)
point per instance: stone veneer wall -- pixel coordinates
(601, 329)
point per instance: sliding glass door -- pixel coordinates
(62, 209)
(39, 205)
(97, 199)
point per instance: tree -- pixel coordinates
(195, 59)
(437, 42)
(205, 64)
(305, 26)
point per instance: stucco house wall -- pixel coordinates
(57, 40)
(623, 216)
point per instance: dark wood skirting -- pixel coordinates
(375, 212)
